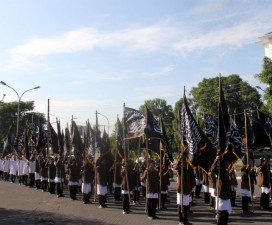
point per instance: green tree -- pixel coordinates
(239, 95)
(266, 77)
(8, 116)
(159, 107)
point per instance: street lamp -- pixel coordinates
(3, 98)
(107, 120)
(19, 100)
(260, 88)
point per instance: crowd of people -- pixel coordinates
(129, 181)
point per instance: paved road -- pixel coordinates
(23, 205)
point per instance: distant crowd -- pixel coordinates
(129, 181)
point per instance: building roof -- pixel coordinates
(265, 39)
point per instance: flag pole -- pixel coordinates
(146, 146)
(181, 151)
(160, 200)
(138, 168)
(125, 154)
(48, 121)
(218, 149)
(95, 171)
(116, 149)
(248, 161)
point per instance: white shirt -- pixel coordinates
(13, 167)
(32, 165)
(6, 165)
(1, 165)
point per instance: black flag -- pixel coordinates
(60, 139)
(223, 122)
(42, 140)
(198, 148)
(165, 142)
(119, 141)
(259, 137)
(152, 129)
(236, 140)
(134, 122)
(54, 140)
(211, 129)
(76, 141)
(266, 122)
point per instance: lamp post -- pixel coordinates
(3, 98)
(19, 100)
(260, 88)
(107, 120)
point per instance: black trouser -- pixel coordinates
(44, 185)
(31, 179)
(144, 191)
(163, 200)
(117, 193)
(233, 198)
(12, 178)
(38, 184)
(20, 179)
(223, 217)
(6, 176)
(265, 201)
(60, 189)
(207, 197)
(102, 200)
(245, 201)
(25, 177)
(183, 214)
(262, 200)
(198, 190)
(126, 205)
(136, 195)
(73, 191)
(51, 188)
(86, 197)
(1, 175)
(212, 201)
(151, 207)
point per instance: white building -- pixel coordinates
(266, 41)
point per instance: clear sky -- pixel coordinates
(90, 55)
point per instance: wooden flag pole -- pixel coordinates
(95, 166)
(48, 121)
(116, 149)
(125, 155)
(147, 164)
(160, 200)
(181, 152)
(218, 152)
(248, 161)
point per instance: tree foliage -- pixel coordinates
(266, 77)
(159, 107)
(239, 96)
(8, 117)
